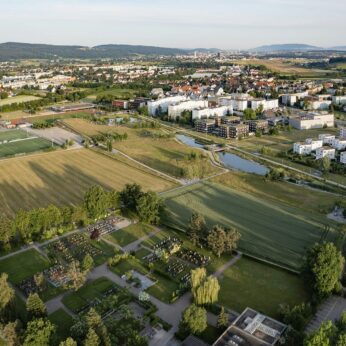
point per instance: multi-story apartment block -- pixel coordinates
(267, 104)
(175, 110)
(343, 132)
(212, 112)
(205, 125)
(326, 138)
(343, 157)
(312, 121)
(339, 144)
(261, 125)
(163, 104)
(238, 130)
(325, 152)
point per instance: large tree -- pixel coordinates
(323, 336)
(96, 201)
(324, 267)
(130, 195)
(6, 292)
(6, 231)
(68, 342)
(92, 338)
(76, 275)
(194, 319)
(231, 239)
(35, 306)
(216, 240)
(10, 333)
(197, 228)
(205, 290)
(39, 332)
(148, 208)
(222, 320)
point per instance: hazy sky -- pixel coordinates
(227, 24)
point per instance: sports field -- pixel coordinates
(164, 154)
(18, 99)
(10, 135)
(25, 146)
(62, 177)
(259, 286)
(270, 229)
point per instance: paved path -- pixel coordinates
(228, 264)
(134, 245)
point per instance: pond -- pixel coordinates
(189, 141)
(236, 162)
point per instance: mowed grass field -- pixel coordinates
(18, 99)
(10, 135)
(23, 265)
(165, 154)
(62, 177)
(270, 230)
(262, 287)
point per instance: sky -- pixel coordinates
(225, 24)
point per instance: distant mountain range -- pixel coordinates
(14, 50)
(293, 47)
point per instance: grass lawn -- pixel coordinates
(23, 265)
(63, 322)
(62, 177)
(129, 264)
(18, 99)
(26, 146)
(163, 289)
(10, 135)
(252, 284)
(210, 334)
(270, 230)
(164, 154)
(142, 253)
(87, 293)
(129, 234)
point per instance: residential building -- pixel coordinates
(291, 99)
(261, 125)
(326, 138)
(339, 100)
(325, 152)
(267, 104)
(312, 121)
(205, 125)
(302, 148)
(162, 104)
(314, 143)
(343, 132)
(343, 157)
(339, 144)
(212, 112)
(175, 110)
(238, 130)
(239, 102)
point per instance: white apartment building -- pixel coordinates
(239, 102)
(325, 152)
(320, 104)
(312, 121)
(343, 157)
(343, 132)
(326, 138)
(339, 100)
(175, 110)
(302, 148)
(339, 144)
(267, 104)
(212, 112)
(307, 147)
(291, 99)
(153, 106)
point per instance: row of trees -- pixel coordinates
(218, 239)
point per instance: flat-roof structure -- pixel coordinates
(72, 107)
(252, 328)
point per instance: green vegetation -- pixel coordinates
(273, 231)
(23, 265)
(18, 99)
(129, 234)
(260, 286)
(63, 321)
(63, 177)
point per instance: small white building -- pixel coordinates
(267, 104)
(325, 152)
(315, 143)
(343, 157)
(326, 138)
(212, 112)
(339, 144)
(175, 110)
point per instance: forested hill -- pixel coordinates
(14, 50)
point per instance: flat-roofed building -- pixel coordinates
(260, 125)
(343, 132)
(175, 110)
(326, 138)
(339, 143)
(308, 121)
(238, 130)
(252, 328)
(162, 104)
(325, 152)
(205, 125)
(343, 157)
(212, 112)
(267, 104)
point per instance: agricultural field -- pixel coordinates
(285, 67)
(164, 154)
(23, 265)
(249, 283)
(62, 177)
(271, 230)
(18, 99)
(129, 234)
